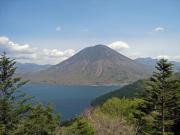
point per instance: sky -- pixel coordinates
(49, 31)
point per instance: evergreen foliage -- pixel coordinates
(12, 102)
(155, 112)
(127, 91)
(159, 112)
(79, 126)
(17, 114)
(40, 121)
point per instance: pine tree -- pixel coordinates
(160, 98)
(174, 106)
(12, 102)
(18, 116)
(40, 121)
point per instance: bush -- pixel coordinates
(114, 117)
(41, 120)
(79, 126)
(121, 107)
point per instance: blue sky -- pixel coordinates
(60, 28)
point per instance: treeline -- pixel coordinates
(156, 111)
(129, 91)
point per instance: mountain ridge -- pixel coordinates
(96, 65)
(152, 62)
(26, 68)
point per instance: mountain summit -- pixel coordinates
(96, 65)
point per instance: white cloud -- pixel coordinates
(177, 58)
(159, 29)
(58, 28)
(27, 54)
(133, 55)
(25, 48)
(173, 58)
(21, 48)
(119, 45)
(163, 57)
(52, 53)
(4, 40)
(56, 53)
(69, 52)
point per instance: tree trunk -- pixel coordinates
(162, 119)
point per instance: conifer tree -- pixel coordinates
(174, 105)
(41, 120)
(12, 102)
(18, 116)
(156, 115)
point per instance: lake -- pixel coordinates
(69, 101)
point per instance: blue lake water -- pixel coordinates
(69, 101)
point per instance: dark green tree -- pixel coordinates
(156, 114)
(17, 113)
(12, 102)
(174, 106)
(78, 126)
(84, 128)
(40, 121)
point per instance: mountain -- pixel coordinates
(152, 62)
(28, 68)
(147, 61)
(128, 91)
(96, 65)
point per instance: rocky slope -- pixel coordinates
(96, 65)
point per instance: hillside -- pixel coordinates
(96, 65)
(129, 91)
(114, 117)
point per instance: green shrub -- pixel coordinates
(79, 126)
(116, 107)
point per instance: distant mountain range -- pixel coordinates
(152, 62)
(29, 68)
(96, 65)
